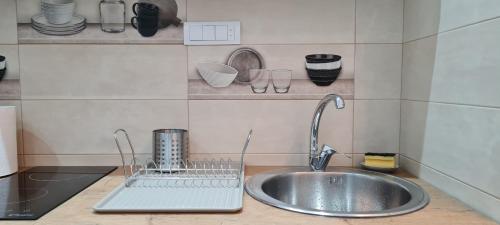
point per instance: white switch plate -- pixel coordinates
(212, 33)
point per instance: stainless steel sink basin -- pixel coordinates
(338, 192)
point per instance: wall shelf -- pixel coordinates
(94, 35)
(300, 90)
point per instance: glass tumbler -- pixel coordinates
(112, 16)
(259, 80)
(281, 80)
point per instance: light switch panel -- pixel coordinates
(208, 32)
(212, 33)
(221, 33)
(196, 33)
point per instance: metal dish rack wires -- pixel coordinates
(189, 173)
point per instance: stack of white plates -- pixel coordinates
(58, 11)
(76, 25)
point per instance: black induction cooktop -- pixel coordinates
(30, 194)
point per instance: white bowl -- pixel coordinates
(57, 8)
(324, 66)
(58, 11)
(58, 2)
(216, 74)
(58, 18)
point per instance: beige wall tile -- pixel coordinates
(456, 13)
(19, 122)
(81, 160)
(103, 72)
(11, 53)
(468, 73)
(280, 126)
(379, 21)
(115, 160)
(421, 18)
(460, 141)
(376, 126)
(378, 71)
(274, 159)
(419, 59)
(87, 126)
(282, 21)
(275, 57)
(427, 17)
(475, 198)
(8, 22)
(87, 8)
(357, 159)
(442, 69)
(10, 90)
(20, 161)
(412, 132)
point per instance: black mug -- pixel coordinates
(3, 66)
(142, 8)
(145, 19)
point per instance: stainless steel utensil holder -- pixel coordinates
(170, 147)
(197, 173)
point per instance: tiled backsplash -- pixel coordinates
(450, 98)
(103, 71)
(283, 21)
(73, 96)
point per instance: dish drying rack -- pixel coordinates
(214, 185)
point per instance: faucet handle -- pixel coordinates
(321, 162)
(327, 150)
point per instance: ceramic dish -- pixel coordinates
(322, 58)
(58, 29)
(58, 11)
(323, 66)
(41, 21)
(244, 59)
(216, 74)
(76, 25)
(323, 77)
(59, 33)
(379, 169)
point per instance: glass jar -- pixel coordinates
(112, 15)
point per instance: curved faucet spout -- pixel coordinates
(319, 161)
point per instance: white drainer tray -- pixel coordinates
(194, 186)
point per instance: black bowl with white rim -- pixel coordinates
(323, 69)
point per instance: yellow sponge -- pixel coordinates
(381, 160)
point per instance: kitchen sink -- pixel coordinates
(341, 192)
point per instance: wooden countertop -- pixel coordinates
(442, 209)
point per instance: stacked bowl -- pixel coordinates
(58, 18)
(323, 69)
(58, 11)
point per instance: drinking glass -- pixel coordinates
(112, 15)
(259, 80)
(282, 79)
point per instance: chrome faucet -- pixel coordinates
(319, 160)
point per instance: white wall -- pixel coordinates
(451, 100)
